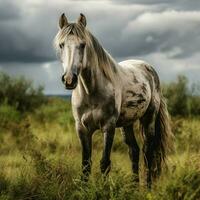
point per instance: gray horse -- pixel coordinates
(107, 95)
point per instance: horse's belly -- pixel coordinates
(132, 109)
(128, 116)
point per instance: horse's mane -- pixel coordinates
(96, 55)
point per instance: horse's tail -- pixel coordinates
(163, 137)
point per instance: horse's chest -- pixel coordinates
(92, 117)
(96, 115)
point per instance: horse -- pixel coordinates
(108, 95)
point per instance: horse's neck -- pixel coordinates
(93, 77)
(91, 80)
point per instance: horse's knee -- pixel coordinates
(105, 166)
(133, 146)
(134, 153)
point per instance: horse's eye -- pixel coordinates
(82, 45)
(61, 45)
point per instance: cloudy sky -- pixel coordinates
(165, 33)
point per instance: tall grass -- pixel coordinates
(42, 161)
(40, 158)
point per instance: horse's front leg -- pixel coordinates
(85, 137)
(105, 163)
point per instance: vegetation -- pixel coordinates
(40, 155)
(182, 99)
(20, 93)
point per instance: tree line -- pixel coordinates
(183, 99)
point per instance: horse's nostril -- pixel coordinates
(75, 78)
(63, 78)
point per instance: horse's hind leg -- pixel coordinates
(148, 123)
(134, 150)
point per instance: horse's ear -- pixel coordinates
(63, 21)
(82, 20)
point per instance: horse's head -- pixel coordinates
(70, 43)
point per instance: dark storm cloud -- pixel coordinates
(176, 32)
(23, 34)
(17, 46)
(124, 27)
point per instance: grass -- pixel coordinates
(40, 157)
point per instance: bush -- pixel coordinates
(8, 115)
(182, 100)
(56, 109)
(177, 96)
(194, 103)
(187, 134)
(20, 93)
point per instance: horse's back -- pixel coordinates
(131, 63)
(140, 71)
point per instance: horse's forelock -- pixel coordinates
(71, 29)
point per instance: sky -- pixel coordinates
(165, 33)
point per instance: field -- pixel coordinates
(40, 158)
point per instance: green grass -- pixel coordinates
(40, 157)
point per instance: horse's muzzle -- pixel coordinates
(70, 81)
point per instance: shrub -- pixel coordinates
(56, 109)
(186, 133)
(20, 93)
(182, 100)
(177, 96)
(194, 103)
(8, 115)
